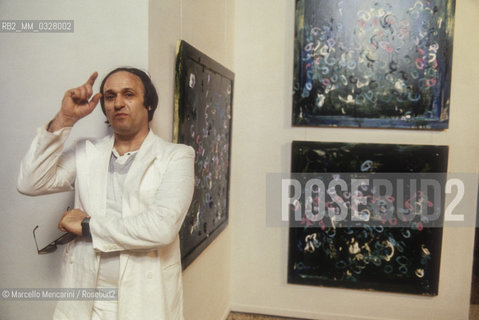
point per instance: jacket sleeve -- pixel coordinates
(161, 221)
(46, 168)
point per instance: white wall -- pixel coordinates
(208, 26)
(36, 70)
(264, 34)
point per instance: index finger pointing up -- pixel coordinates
(92, 78)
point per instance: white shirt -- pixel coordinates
(109, 271)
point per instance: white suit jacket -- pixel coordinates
(158, 191)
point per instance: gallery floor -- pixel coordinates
(249, 316)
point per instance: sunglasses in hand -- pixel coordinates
(52, 246)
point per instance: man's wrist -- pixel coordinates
(59, 122)
(85, 227)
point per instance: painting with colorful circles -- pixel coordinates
(373, 63)
(203, 115)
(385, 241)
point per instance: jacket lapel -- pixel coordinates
(98, 158)
(144, 157)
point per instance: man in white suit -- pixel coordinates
(132, 191)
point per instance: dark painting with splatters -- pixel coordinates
(373, 63)
(203, 114)
(386, 254)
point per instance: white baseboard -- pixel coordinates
(226, 314)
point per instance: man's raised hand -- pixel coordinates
(76, 104)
